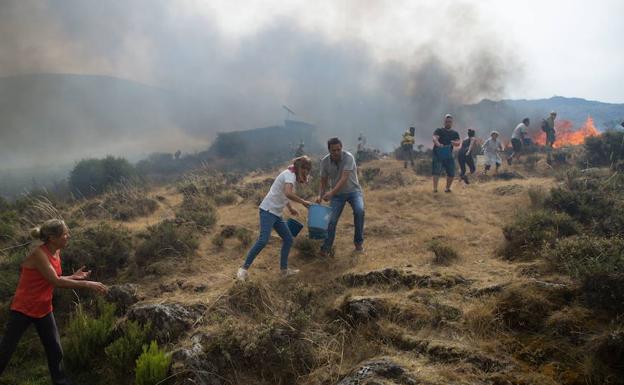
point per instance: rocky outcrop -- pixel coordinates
(168, 321)
(381, 369)
(190, 366)
(123, 296)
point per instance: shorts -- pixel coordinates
(516, 144)
(550, 136)
(438, 164)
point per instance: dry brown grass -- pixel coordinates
(400, 221)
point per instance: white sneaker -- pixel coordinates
(288, 272)
(242, 274)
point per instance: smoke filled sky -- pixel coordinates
(348, 66)
(566, 47)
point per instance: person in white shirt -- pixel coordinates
(517, 139)
(279, 196)
(491, 149)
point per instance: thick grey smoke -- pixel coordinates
(203, 83)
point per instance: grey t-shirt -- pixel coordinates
(333, 171)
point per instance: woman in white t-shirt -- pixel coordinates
(279, 196)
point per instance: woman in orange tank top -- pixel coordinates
(32, 303)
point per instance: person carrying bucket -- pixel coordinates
(279, 196)
(339, 185)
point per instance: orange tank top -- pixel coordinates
(33, 296)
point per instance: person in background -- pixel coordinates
(339, 185)
(491, 149)
(40, 274)
(407, 146)
(280, 194)
(517, 139)
(466, 155)
(444, 139)
(548, 126)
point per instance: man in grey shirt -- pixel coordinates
(339, 185)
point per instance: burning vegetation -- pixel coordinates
(567, 135)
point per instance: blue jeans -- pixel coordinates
(338, 201)
(270, 221)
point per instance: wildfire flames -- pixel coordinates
(566, 135)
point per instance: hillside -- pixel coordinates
(392, 315)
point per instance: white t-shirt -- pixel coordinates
(275, 200)
(518, 131)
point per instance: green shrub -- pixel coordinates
(526, 236)
(93, 176)
(103, 248)
(86, 336)
(604, 290)
(530, 162)
(9, 273)
(123, 352)
(306, 248)
(537, 196)
(166, 239)
(582, 255)
(244, 236)
(152, 365)
(370, 173)
(443, 253)
(9, 226)
(226, 198)
(605, 149)
(197, 210)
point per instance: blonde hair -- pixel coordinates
(302, 162)
(49, 228)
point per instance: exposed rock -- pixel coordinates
(190, 366)
(402, 278)
(168, 321)
(123, 296)
(361, 310)
(382, 369)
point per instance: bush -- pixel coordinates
(604, 290)
(444, 254)
(93, 176)
(124, 351)
(370, 173)
(580, 256)
(606, 357)
(9, 274)
(86, 336)
(306, 248)
(605, 149)
(226, 198)
(523, 308)
(197, 210)
(244, 236)
(9, 226)
(423, 167)
(104, 249)
(537, 196)
(270, 350)
(530, 162)
(526, 236)
(152, 365)
(164, 240)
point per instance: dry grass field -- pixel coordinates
(424, 316)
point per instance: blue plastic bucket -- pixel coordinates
(294, 226)
(318, 221)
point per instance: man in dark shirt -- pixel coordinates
(444, 139)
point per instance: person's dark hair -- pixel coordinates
(50, 228)
(412, 129)
(525, 121)
(471, 132)
(333, 141)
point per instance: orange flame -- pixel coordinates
(566, 135)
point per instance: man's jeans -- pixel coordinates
(270, 221)
(338, 201)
